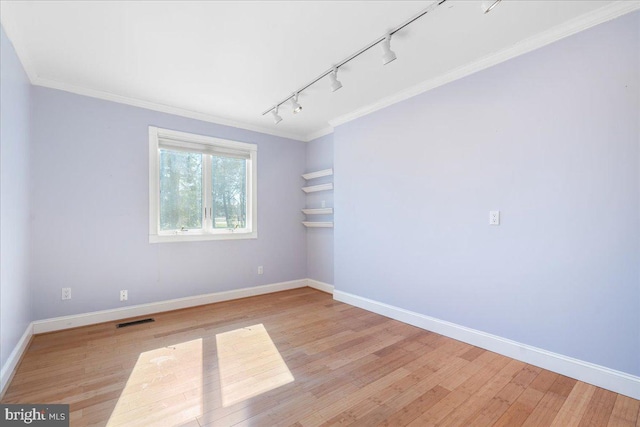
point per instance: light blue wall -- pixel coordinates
(15, 295)
(552, 140)
(320, 240)
(90, 222)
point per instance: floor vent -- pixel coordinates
(134, 322)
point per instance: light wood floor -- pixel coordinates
(296, 358)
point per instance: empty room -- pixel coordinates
(313, 213)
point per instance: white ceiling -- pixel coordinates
(229, 61)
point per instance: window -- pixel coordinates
(200, 188)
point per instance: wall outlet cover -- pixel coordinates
(494, 217)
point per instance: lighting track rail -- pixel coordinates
(388, 56)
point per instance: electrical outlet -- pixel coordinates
(260, 269)
(323, 204)
(124, 295)
(494, 217)
(66, 293)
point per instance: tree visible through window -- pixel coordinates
(201, 188)
(180, 190)
(229, 195)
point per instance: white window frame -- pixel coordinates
(189, 140)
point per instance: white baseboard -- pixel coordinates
(321, 286)
(11, 364)
(600, 376)
(74, 321)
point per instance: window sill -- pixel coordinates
(174, 238)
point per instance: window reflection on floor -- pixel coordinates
(249, 364)
(155, 391)
(174, 385)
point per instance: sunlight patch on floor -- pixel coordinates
(155, 390)
(249, 364)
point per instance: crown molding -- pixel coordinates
(35, 80)
(27, 65)
(163, 108)
(108, 96)
(317, 134)
(581, 23)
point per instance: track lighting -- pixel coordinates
(387, 54)
(335, 83)
(294, 104)
(487, 5)
(276, 117)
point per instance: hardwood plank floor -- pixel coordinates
(296, 358)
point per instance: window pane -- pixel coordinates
(180, 190)
(229, 192)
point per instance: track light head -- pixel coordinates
(387, 54)
(276, 117)
(335, 83)
(488, 5)
(294, 104)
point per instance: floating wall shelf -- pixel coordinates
(318, 224)
(318, 174)
(319, 211)
(320, 187)
(312, 189)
